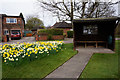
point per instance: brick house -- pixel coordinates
(0, 26)
(9, 24)
(63, 25)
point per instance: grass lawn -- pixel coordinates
(0, 39)
(41, 67)
(102, 65)
(117, 36)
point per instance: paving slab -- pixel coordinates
(74, 66)
(117, 38)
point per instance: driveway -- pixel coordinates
(24, 39)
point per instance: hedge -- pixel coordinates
(0, 39)
(50, 31)
(70, 34)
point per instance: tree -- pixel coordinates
(72, 9)
(33, 22)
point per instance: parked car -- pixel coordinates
(15, 35)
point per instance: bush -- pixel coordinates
(49, 37)
(50, 31)
(70, 34)
(0, 39)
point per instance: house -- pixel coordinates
(0, 27)
(63, 25)
(9, 24)
(95, 32)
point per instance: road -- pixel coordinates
(32, 39)
(24, 39)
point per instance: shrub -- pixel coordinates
(70, 34)
(50, 31)
(0, 39)
(49, 37)
(64, 34)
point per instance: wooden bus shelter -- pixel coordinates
(95, 32)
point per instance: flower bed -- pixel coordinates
(16, 53)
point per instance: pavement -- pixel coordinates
(24, 39)
(32, 39)
(73, 68)
(117, 38)
(68, 40)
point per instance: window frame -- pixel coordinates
(90, 28)
(11, 20)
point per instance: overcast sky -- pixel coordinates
(27, 7)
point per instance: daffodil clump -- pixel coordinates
(17, 52)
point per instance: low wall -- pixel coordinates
(40, 38)
(57, 37)
(4, 38)
(45, 37)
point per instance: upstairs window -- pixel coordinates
(11, 20)
(90, 29)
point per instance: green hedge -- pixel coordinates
(70, 34)
(50, 31)
(0, 39)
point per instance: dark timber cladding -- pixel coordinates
(98, 32)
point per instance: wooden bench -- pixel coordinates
(96, 42)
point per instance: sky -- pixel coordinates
(29, 7)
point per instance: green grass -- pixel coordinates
(0, 67)
(41, 67)
(102, 65)
(117, 36)
(0, 39)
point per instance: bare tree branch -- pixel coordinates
(76, 9)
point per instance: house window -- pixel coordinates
(90, 29)
(6, 32)
(11, 20)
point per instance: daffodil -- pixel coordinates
(13, 52)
